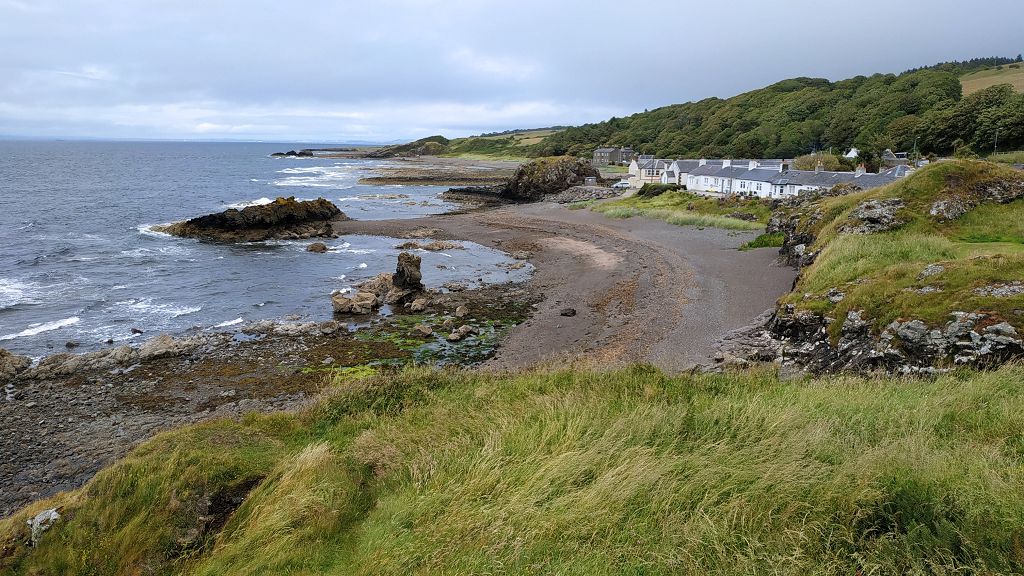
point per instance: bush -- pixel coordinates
(650, 190)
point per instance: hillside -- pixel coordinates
(925, 272)
(514, 144)
(568, 472)
(795, 116)
(1012, 74)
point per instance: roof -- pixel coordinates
(606, 150)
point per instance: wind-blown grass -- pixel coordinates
(570, 472)
(686, 209)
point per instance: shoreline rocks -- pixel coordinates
(282, 219)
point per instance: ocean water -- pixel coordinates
(79, 263)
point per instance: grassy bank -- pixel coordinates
(687, 209)
(570, 472)
(881, 273)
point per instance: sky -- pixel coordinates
(388, 70)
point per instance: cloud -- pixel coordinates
(502, 68)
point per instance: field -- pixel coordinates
(568, 472)
(510, 146)
(983, 79)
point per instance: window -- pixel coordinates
(706, 180)
(758, 186)
(743, 185)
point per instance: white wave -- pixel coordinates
(340, 177)
(162, 251)
(234, 322)
(14, 292)
(146, 306)
(247, 203)
(254, 179)
(147, 229)
(362, 266)
(34, 329)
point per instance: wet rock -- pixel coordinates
(317, 247)
(874, 216)
(407, 274)
(284, 218)
(461, 333)
(362, 302)
(424, 329)
(137, 331)
(436, 246)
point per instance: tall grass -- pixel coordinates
(577, 472)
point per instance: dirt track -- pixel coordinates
(643, 290)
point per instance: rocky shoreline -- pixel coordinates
(282, 219)
(68, 415)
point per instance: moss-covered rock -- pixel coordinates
(539, 178)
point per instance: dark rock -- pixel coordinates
(317, 247)
(534, 180)
(137, 331)
(407, 274)
(743, 216)
(568, 312)
(284, 218)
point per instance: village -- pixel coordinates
(761, 178)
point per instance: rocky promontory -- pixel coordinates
(282, 219)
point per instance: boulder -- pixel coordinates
(461, 333)
(873, 216)
(407, 274)
(12, 364)
(284, 218)
(164, 346)
(41, 523)
(418, 305)
(534, 180)
(361, 302)
(317, 247)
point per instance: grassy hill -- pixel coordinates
(569, 472)
(1012, 74)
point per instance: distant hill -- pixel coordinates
(1012, 74)
(509, 144)
(796, 116)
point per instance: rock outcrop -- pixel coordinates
(284, 218)
(535, 180)
(403, 286)
(12, 364)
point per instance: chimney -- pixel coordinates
(861, 170)
(752, 165)
(702, 162)
(726, 163)
(784, 167)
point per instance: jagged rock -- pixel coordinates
(362, 302)
(965, 200)
(407, 274)
(462, 311)
(284, 218)
(461, 333)
(873, 216)
(418, 305)
(317, 247)
(424, 329)
(534, 180)
(743, 216)
(42, 522)
(12, 364)
(835, 296)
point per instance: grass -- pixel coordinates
(568, 472)
(766, 240)
(1016, 157)
(880, 273)
(986, 78)
(687, 209)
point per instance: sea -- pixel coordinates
(79, 261)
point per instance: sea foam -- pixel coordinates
(34, 329)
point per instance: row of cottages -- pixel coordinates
(764, 178)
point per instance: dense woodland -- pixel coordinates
(794, 117)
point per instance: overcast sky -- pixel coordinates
(381, 70)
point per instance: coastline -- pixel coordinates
(604, 292)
